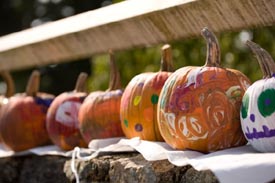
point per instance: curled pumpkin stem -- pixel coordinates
(115, 82)
(264, 59)
(10, 83)
(80, 85)
(167, 59)
(213, 57)
(33, 84)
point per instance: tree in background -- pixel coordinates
(192, 51)
(16, 15)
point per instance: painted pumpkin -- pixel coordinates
(199, 106)
(62, 118)
(138, 110)
(23, 117)
(99, 114)
(258, 105)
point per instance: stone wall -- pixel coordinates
(124, 167)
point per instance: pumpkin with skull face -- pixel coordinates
(199, 107)
(258, 105)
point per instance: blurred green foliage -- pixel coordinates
(18, 14)
(189, 52)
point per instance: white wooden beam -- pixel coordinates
(126, 25)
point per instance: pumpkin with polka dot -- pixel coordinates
(199, 107)
(138, 110)
(258, 104)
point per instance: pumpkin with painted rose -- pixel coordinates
(199, 107)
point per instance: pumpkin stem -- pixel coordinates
(9, 81)
(115, 82)
(33, 83)
(166, 58)
(213, 57)
(264, 59)
(80, 85)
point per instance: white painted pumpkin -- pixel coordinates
(258, 105)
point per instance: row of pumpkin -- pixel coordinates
(206, 108)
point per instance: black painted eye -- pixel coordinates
(266, 102)
(244, 108)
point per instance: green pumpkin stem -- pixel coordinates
(9, 82)
(213, 57)
(33, 83)
(115, 82)
(265, 60)
(166, 58)
(80, 85)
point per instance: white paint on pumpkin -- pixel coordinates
(266, 144)
(67, 113)
(231, 90)
(194, 123)
(192, 76)
(170, 117)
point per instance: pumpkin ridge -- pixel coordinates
(133, 100)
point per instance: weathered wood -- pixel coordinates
(127, 25)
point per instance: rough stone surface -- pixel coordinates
(124, 167)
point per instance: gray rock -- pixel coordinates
(123, 168)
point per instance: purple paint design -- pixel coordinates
(267, 101)
(273, 75)
(213, 77)
(140, 84)
(177, 103)
(120, 92)
(252, 117)
(138, 127)
(199, 80)
(266, 133)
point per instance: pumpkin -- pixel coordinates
(62, 117)
(23, 117)
(138, 109)
(258, 104)
(99, 114)
(199, 106)
(6, 76)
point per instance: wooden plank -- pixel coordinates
(126, 25)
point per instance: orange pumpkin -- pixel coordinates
(138, 110)
(9, 91)
(62, 117)
(23, 117)
(199, 106)
(99, 113)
